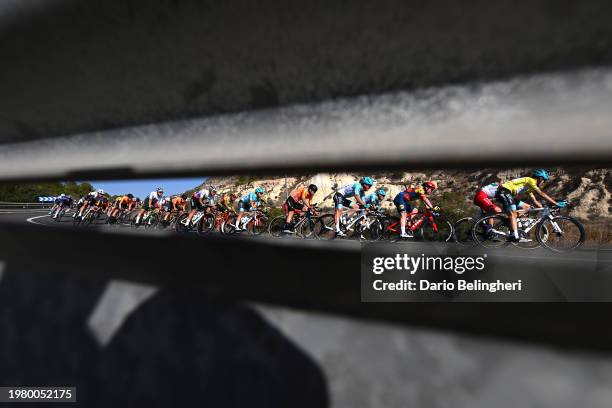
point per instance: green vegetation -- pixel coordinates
(28, 193)
(454, 205)
(275, 212)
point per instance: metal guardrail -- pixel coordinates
(560, 117)
(24, 206)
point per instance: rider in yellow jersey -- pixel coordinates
(509, 193)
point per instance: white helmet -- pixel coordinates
(62, 195)
(101, 192)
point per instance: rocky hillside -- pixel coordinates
(589, 189)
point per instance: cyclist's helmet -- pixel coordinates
(212, 189)
(101, 192)
(430, 184)
(160, 190)
(62, 195)
(541, 173)
(367, 181)
(233, 196)
(312, 188)
(184, 196)
(381, 192)
(130, 196)
(259, 190)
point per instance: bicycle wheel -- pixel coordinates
(276, 226)
(258, 225)
(372, 232)
(325, 227)
(564, 233)
(152, 221)
(491, 231)
(229, 227)
(391, 228)
(205, 225)
(123, 218)
(462, 231)
(307, 229)
(529, 238)
(179, 226)
(439, 231)
(88, 220)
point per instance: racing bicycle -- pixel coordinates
(303, 223)
(428, 225)
(558, 233)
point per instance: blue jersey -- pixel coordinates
(352, 190)
(65, 200)
(371, 201)
(250, 197)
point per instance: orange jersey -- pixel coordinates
(301, 194)
(178, 202)
(125, 200)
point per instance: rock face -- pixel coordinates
(587, 188)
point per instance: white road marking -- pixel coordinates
(22, 212)
(119, 300)
(31, 219)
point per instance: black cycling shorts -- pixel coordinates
(148, 205)
(341, 201)
(195, 204)
(505, 197)
(293, 205)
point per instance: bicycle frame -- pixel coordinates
(428, 217)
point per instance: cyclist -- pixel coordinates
(403, 202)
(248, 202)
(226, 203)
(103, 203)
(374, 200)
(199, 200)
(63, 201)
(174, 204)
(341, 199)
(509, 193)
(150, 203)
(165, 204)
(300, 199)
(121, 203)
(56, 202)
(91, 199)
